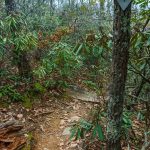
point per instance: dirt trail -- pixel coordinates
(53, 133)
(49, 120)
(47, 137)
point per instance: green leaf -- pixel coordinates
(79, 49)
(1, 23)
(100, 132)
(86, 125)
(148, 42)
(142, 66)
(78, 134)
(94, 133)
(83, 8)
(73, 132)
(76, 47)
(1, 95)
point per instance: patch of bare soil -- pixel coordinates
(54, 128)
(47, 137)
(48, 122)
(54, 131)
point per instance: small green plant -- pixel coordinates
(91, 128)
(10, 93)
(27, 103)
(126, 125)
(91, 85)
(28, 144)
(60, 65)
(39, 88)
(80, 129)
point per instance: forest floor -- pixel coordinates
(54, 133)
(50, 120)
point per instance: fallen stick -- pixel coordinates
(7, 124)
(6, 140)
(44, 113)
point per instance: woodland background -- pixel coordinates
(53, 45)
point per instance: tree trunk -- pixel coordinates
(10, 6)
(21, 59)
(109, 2)
(23, 64)
(102, 3)
(51, 5)
(121, 43)
(101, 16)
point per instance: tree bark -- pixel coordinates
(121, 43)
(10, 6)
(24, 67)
(101, 16)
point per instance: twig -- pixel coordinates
(27, 131)
(139, 73)
(137, 97)
(146, 144)
(32, 119)
(7, 124)
(146, 23)
(44, 113)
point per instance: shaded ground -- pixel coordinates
(54, 133)
(48, 122)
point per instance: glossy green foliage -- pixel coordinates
(16, 36)
(91, 129)
(9, 92)
(60, 63)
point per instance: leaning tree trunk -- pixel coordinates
(121, 42)
(21, 59)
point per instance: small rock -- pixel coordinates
(27, 110)
(61, 144)
(74, 118)
(65, 118)
(61, 127)
(62, 122)
(10, 113)
(73, 145)
(20, 116)
(24, 120)
(67, 131)
(74, 107)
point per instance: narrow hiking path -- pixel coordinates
(48, 122)
(54, 130)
